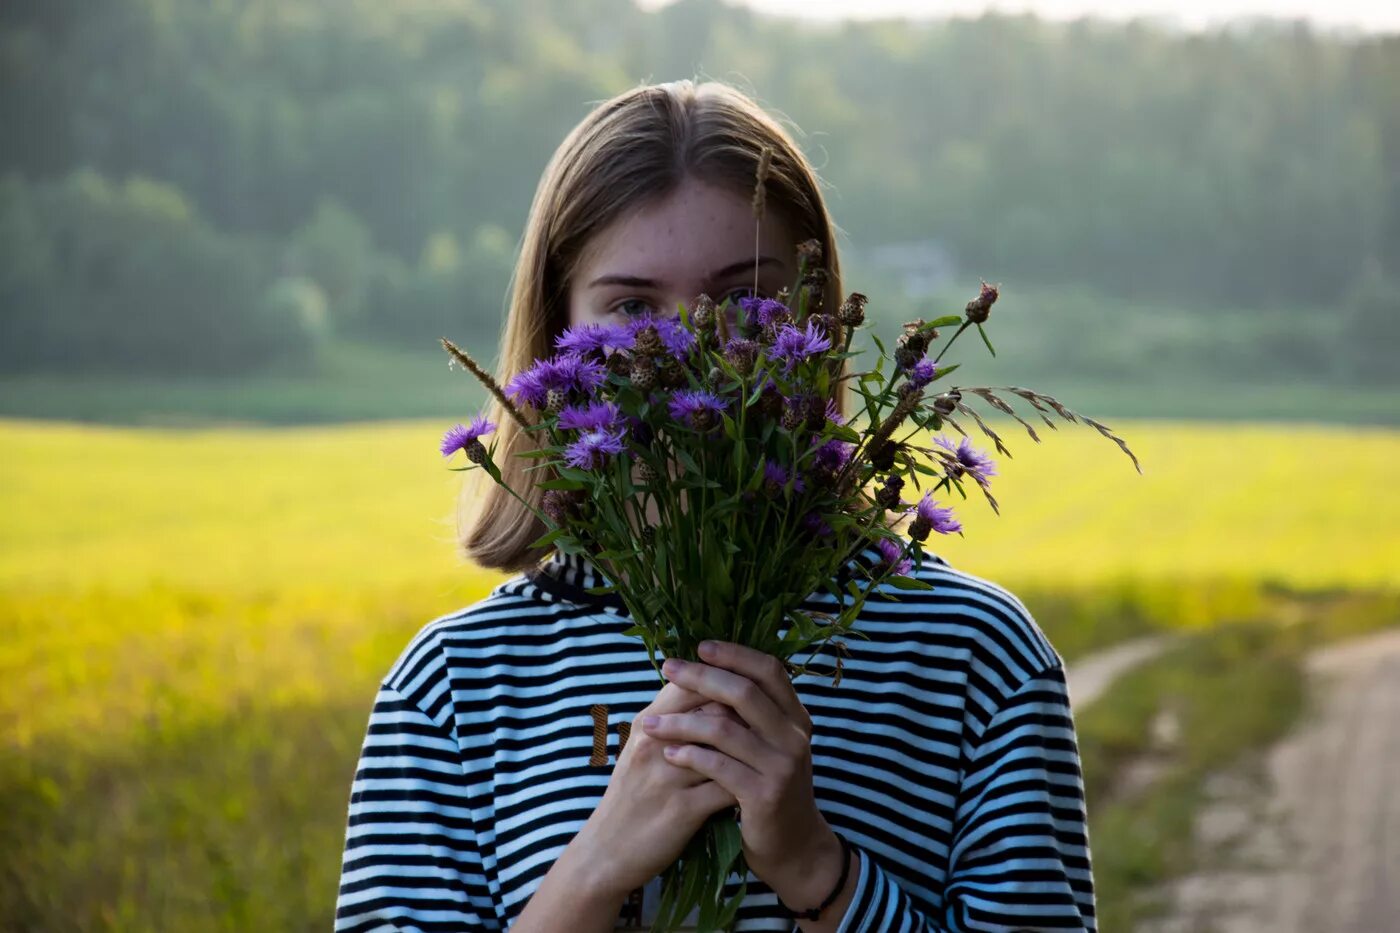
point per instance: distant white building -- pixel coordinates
(921, 267)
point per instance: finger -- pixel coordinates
(734, 776)
(708, 796)
(719, 732)
(674, 698)
(747, 698)
(762, 668)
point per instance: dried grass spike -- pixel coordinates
(1103, 429)
(485, 379)
(765, 162)
(996, 438)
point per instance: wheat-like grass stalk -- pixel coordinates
(486, 380)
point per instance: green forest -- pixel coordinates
(267, 188)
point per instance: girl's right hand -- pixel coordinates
(651, 808)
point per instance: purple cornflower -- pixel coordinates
(460, 437)
(677, 340)
(973, 461)
(921, 373)
(833, 455)
(697, 408)
(592, 448)
(791, 345)
(775, 476)
(594, 337)
(891, 553)
(832, 414)
(564, 372)
(598, 416)
(764, 311)
(937, 518)
(817, 525)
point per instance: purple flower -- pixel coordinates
(921, 373)
(677, 340)
(697, 408)
(973, 461)
(594, 337)
(892, 552)
(776, 477)
(791, 345)
(459, 436)
(815, 524)
(764, 311)
(832, 414)
(564, 372)
(938, 518)
(592, 448)
(833, 455)
(598, 416)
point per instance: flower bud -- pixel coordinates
(648, 342)
(947, 402)
(643, 372)
(554, 401)
(888, 494)
(852, 310)
(979, 308)
(702, 314)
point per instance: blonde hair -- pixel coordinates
(629, 150)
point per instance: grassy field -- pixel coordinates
(192, 624)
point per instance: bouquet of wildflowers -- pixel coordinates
(761, 491)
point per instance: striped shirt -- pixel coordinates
(946, 756)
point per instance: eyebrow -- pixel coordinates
(734, 268)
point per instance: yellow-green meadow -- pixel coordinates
(192, 622)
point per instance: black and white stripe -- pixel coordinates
(947, 756)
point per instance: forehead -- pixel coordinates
(683, 236)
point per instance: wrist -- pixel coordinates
(806, 881)
(589, 873)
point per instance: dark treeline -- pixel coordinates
(212, 185)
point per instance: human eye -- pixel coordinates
(632, 306)
(744, 291)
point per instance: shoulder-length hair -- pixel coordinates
(628, 151)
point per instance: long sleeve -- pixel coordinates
(1020, 854)
(411, 861)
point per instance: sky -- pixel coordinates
(1344, 15)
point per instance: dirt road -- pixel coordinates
(1320, 848)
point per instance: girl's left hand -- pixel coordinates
(764, 761)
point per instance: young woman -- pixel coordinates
(512, 775)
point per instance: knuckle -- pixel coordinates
(749, 693)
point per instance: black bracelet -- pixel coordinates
(814, 913)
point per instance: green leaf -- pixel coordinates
(986, 340)
(901, 582)
(948, 320)
(547, 538)
(730, 428)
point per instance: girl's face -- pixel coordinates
(699, 238)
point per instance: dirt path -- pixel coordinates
(1091, 676)
(1326, 853)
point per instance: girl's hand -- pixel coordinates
(765, 762)
(651, 807)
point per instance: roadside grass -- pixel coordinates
(1213, 701)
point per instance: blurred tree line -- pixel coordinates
(214, 186)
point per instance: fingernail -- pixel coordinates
(672, 749)
(707, 648)
(672, 665)
(649, 721)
